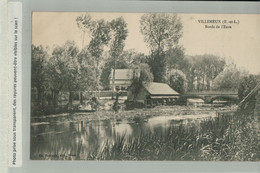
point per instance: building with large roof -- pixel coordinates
(154, 93)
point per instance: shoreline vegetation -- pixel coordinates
(132, 114)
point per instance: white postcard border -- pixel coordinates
(15, 84)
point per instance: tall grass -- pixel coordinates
(235, 138)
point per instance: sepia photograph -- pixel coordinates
(145, 86)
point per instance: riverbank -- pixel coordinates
(141, 114)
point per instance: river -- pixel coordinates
(60, 140)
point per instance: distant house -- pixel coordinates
(123, 78)
(154, 93)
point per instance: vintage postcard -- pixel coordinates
(145, 86)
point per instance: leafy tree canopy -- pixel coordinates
(175, 57)
(161, 30)
(177, 80)
(229, 78)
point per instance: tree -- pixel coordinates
(161, 31)
(83, 23)
(175, 58)
(199, 72)
(141, 75)
(65, 69)
(99, 37)
(213, 65)
(72, 70)
(133, 58)
(118, 34)
(39, 65)
(247, 84)
(229, 79)
(55, 74)
(202, 68)
(86, 72)
(188, 67)
(157, 62)
(177, 80)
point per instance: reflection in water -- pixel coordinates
(75, 140)
(123, 129)
(168, 121)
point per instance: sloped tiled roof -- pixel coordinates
(155, 88)
(122, 74)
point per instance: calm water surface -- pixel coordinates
(62, 139)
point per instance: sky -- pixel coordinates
(239, 44)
